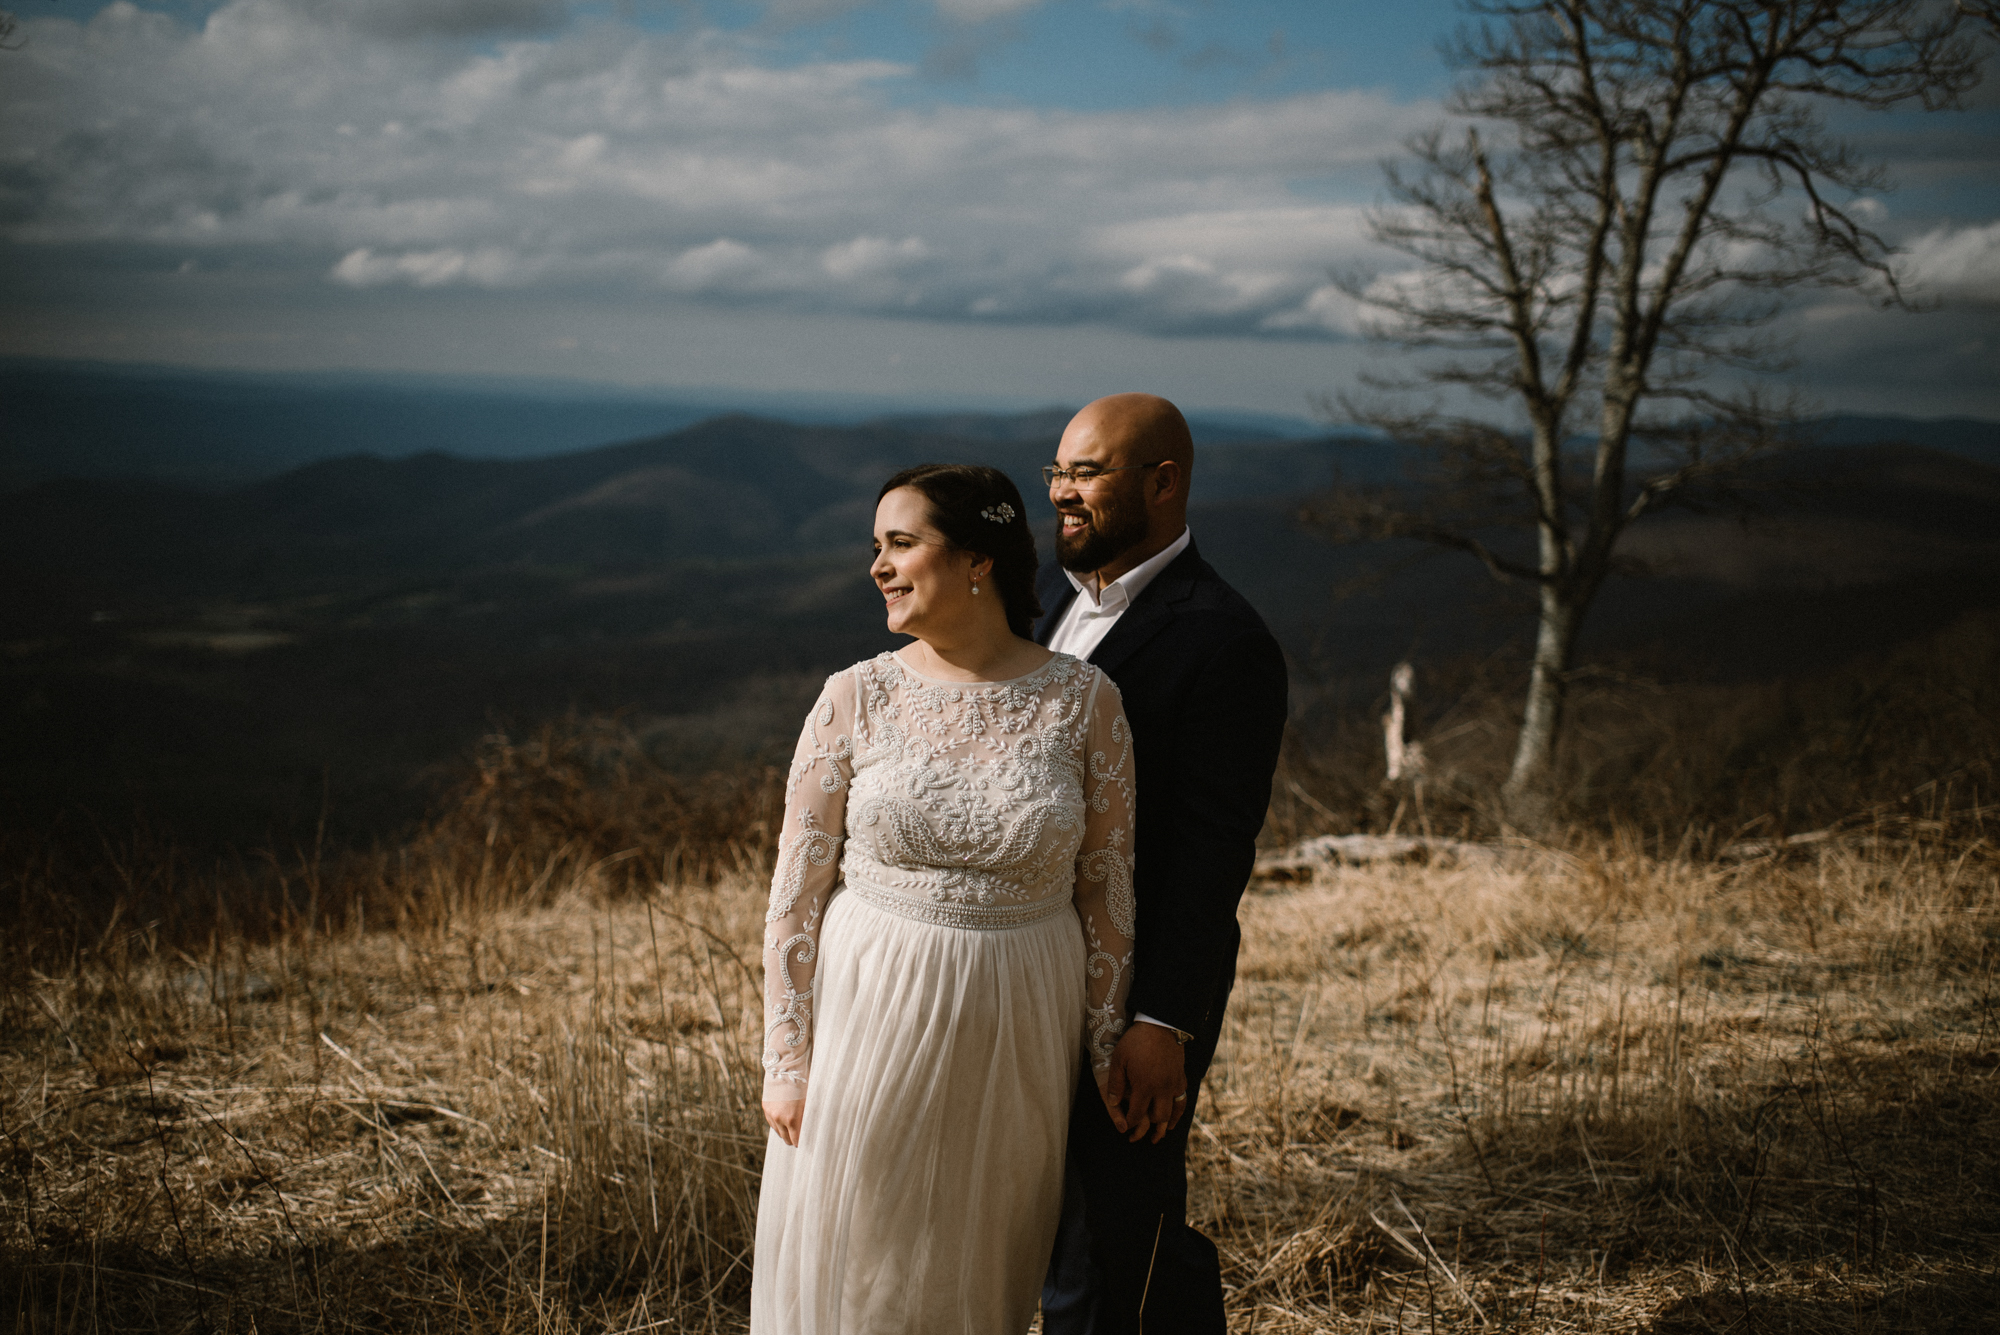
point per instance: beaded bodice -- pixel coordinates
(968, 804)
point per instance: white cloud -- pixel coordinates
(490, 266)
(362, 156)
(1956, 263)
(1269, 268)
(411, 18)
(1288, 236)
(872, 256)
(1325, 309)
(600, 154)
(979, 11)
(724, 264)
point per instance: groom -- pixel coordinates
(1204, 688)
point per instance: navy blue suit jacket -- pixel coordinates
(1204, 688)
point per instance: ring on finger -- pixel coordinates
(1180, 1098)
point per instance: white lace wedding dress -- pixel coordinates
(950, 935)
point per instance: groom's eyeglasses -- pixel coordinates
(1083, 475)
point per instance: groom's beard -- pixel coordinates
(1107, 532)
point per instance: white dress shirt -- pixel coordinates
(1090, 617)
(1093, 612)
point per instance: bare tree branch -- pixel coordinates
(1985, 11)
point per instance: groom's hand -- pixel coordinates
(1147, 1077)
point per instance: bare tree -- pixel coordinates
(1655, 179)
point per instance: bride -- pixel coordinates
(949, 937)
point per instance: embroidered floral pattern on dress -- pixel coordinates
(964, 804)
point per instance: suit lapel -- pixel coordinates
(1055, 592)
(1150, 613)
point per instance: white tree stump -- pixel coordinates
(1406, 758)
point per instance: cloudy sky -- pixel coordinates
(987, 202)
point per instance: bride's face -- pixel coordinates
(925, 582)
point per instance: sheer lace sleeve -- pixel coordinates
(807, 868)
(1104, 871)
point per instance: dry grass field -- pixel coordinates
(503, 1088)
(1587, 1089)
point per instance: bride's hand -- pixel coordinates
(1146, 1089)
(786, 1116)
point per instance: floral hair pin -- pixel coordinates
(1002, 513)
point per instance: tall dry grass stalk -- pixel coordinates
(504, 1080)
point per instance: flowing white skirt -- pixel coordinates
(923, 1195)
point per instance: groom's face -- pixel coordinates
(1104, 516)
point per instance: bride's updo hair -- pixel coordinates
(979, 510)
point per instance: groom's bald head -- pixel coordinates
(1128, 515)
(1146, 427)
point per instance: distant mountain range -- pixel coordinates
(219, 429)
(731, 489)
(212, 429)
(226, 655)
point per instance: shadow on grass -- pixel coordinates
(1964, 1302)
(448, 1278)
